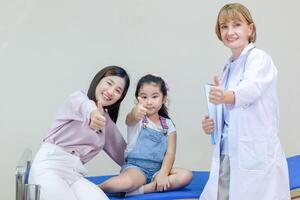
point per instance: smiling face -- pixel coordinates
(151, 98)
(109, 90)
(235, 34)
(235, 27)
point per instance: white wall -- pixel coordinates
(50, 48)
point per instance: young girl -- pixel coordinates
(82, 128)
(248, 161)
(150, 152)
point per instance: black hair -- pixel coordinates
(149, 78)
(113, 110)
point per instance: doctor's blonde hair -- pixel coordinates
(235, 11)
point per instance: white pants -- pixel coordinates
(61, 176)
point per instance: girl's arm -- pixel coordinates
(131, 119)
(170, 155)
(162, 178)
(136, 114)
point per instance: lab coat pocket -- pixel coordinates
(252, 155)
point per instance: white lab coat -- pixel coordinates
(258, 167)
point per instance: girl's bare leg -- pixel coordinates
(127, 181)
(178, 178)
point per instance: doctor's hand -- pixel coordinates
(216, 94)
(97, 119)
(208, 124)
(139, 111)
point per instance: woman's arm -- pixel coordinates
(259, 74)
(219, 96)
(115, 144)
(77, 107)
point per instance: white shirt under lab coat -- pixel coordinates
(258, 167)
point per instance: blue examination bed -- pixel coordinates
(194, 189)
(191, 191)
(25, 191)
(294, 172)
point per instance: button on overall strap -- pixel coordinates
(163, 123)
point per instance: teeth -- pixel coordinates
(231, 39)
(106, 97)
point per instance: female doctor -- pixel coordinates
(248, 162)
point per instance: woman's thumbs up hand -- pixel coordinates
(97, 119)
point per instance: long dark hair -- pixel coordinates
(113, 110)
(149, 78)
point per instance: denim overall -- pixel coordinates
(149, 150)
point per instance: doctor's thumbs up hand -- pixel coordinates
(97, 119)
(216, 94)
(208, 124)
(139, 111)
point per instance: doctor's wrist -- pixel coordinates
(228, 97)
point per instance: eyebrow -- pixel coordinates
(155, 93)
(144, 93)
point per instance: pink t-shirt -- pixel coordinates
(71, 131)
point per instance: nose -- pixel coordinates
(230, 30)
(110, 91)
(149, 101)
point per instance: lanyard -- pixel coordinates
(243, 63)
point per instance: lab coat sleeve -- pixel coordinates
(77, 107)
(259, 73)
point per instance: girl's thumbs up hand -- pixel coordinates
(216, 94)
(139, 111)
(97, 119)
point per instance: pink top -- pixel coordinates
(71, 131)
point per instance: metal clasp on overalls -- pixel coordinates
(163, 123)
